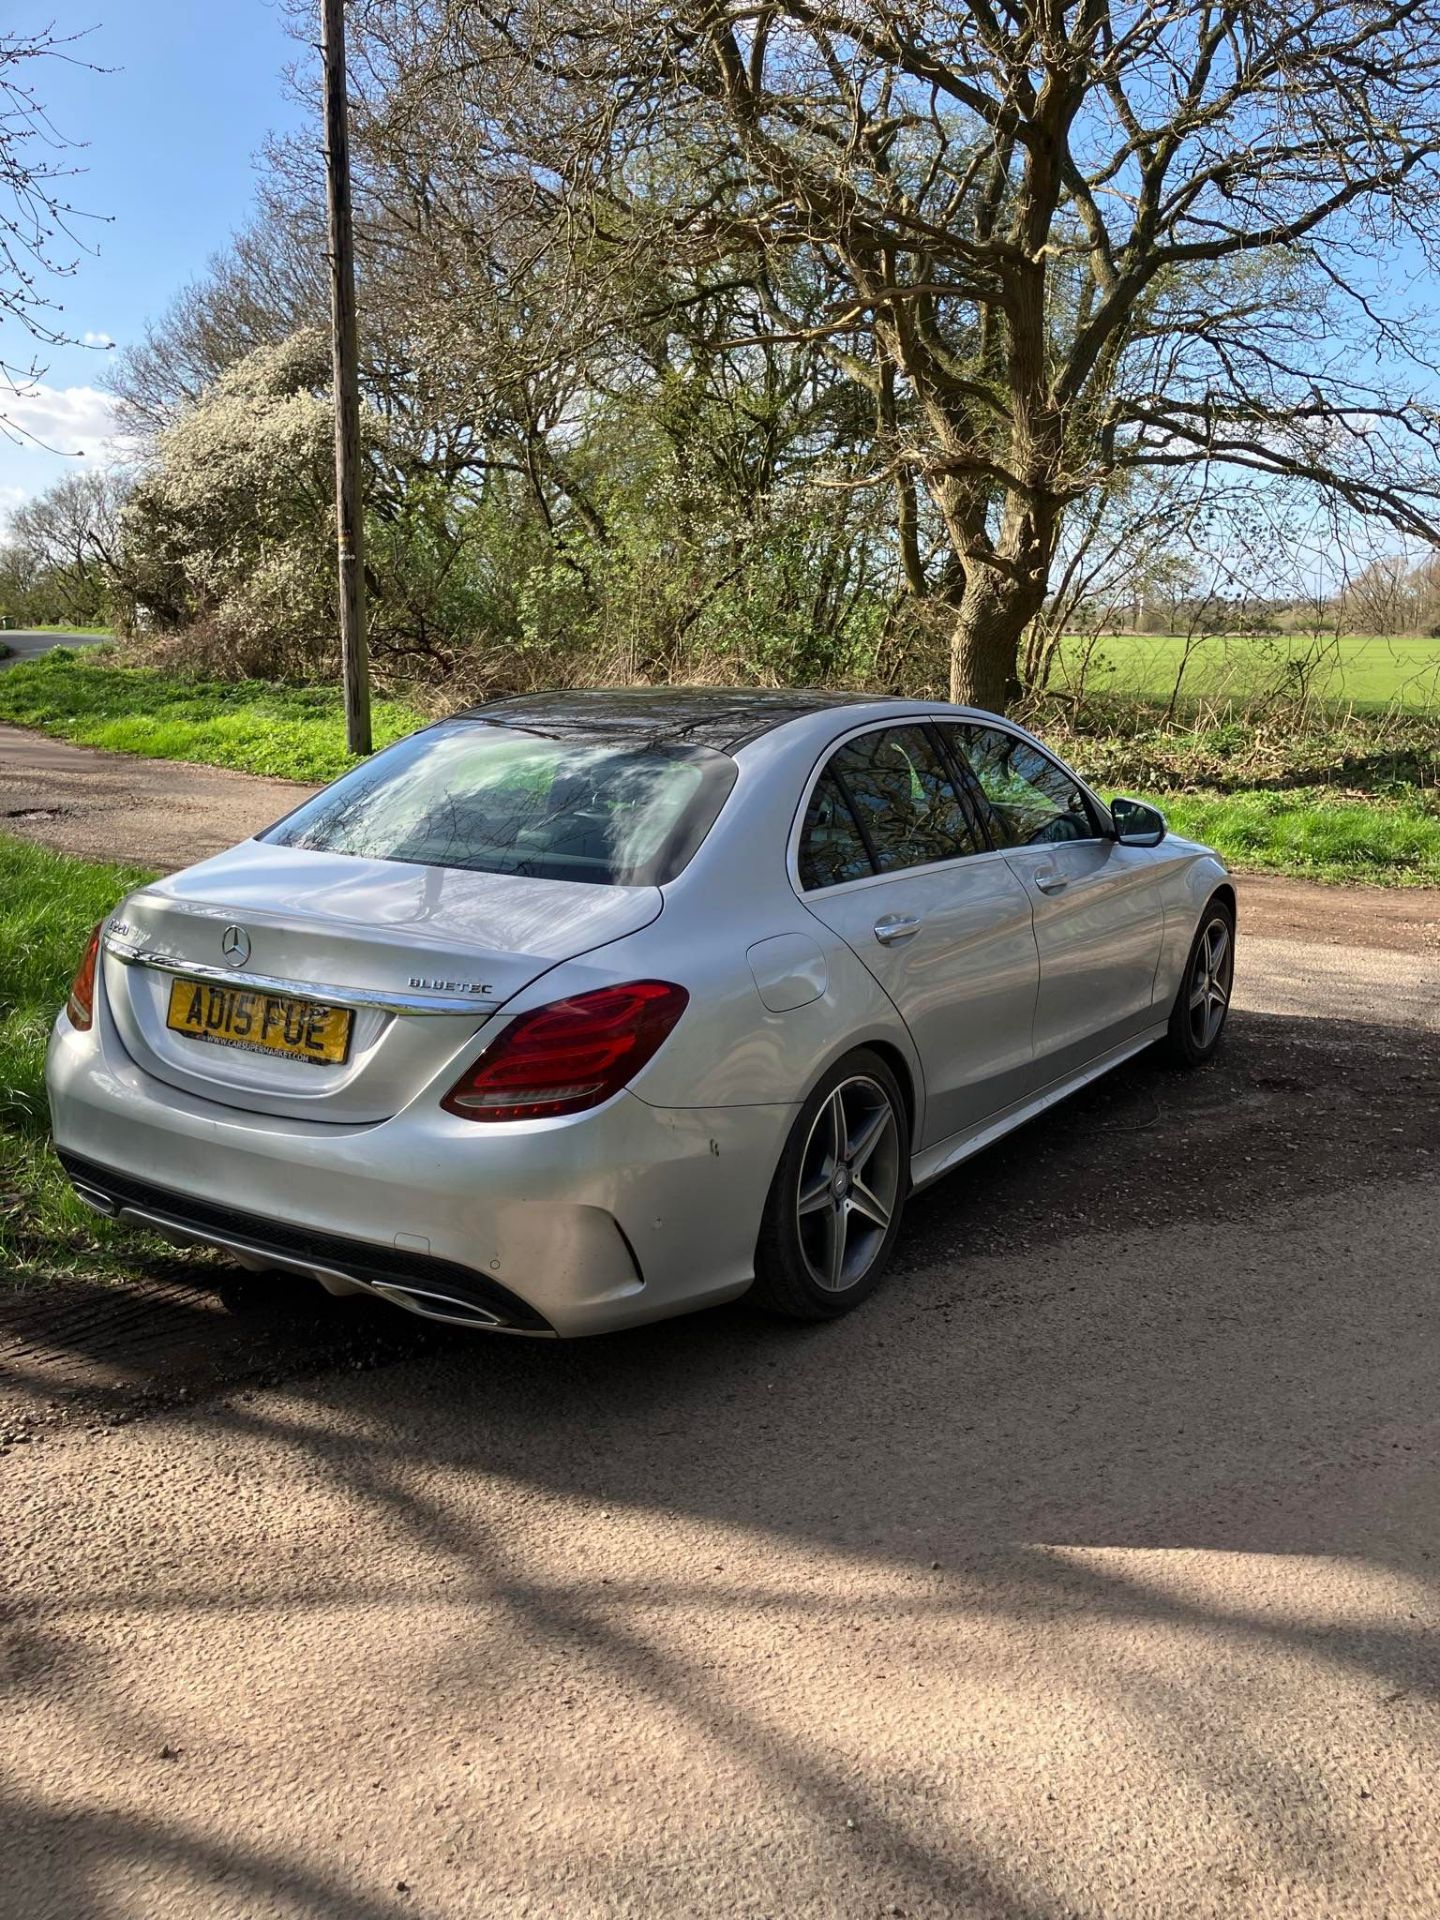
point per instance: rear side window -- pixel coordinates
(902, 794)
(885, 803)
(495, 800)
(831, 849)
(1032, 800)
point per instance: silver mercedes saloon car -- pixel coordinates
(585, 1008)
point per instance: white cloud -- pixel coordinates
(97, 339)
(73, 420)
(11, 497)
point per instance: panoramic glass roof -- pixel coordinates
(720, 717)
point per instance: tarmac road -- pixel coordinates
(1089, 1570)
(30, 643)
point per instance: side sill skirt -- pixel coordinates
(938, 1160)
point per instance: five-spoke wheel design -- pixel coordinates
(849, 1182)
(1212, 975)
(1197, 1015)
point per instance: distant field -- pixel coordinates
(1370, 674)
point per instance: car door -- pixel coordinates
(1098, 914)
(892, 857)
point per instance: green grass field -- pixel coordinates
(1371, 675)
(293, 733)
(48, 904)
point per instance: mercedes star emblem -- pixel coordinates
(235, 946)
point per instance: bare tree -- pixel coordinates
(1380, 597)
(39, 226)
(267, 284)
(1425, 595)
(70, 536)
(1062, 239)
(75, 523)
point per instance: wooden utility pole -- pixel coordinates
(349, 510)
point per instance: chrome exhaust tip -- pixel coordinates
(434, 1306)
(96, 1202)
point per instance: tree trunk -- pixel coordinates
(985, 640)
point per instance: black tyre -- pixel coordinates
(834, 1209)
(1197, 1019)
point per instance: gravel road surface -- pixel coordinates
(1089, 1570)
(117, 806)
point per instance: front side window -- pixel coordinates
(1032, 801)
(492, 800)
(885, 803)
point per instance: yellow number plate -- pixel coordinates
(260, 1022)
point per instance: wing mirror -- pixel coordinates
(1137, 825)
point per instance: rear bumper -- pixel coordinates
(438, 1289)
(572, 1226)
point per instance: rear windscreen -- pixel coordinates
(494, 800)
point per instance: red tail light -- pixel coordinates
(570, 1055)
(81, 1004)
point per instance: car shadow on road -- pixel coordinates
(1290, 1108)
(1167, 1317)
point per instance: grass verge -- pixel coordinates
(292, 733)
(1315, 836)
(48, 904)
(1354, 800)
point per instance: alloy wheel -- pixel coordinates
(1211, 979)
(849, 1184)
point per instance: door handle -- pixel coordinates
(1049, 881)
(895, 927)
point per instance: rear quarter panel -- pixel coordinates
(730, 1048)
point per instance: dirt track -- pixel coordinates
(116, 806)
(1090, 1570)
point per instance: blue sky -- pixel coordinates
(172, 133)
